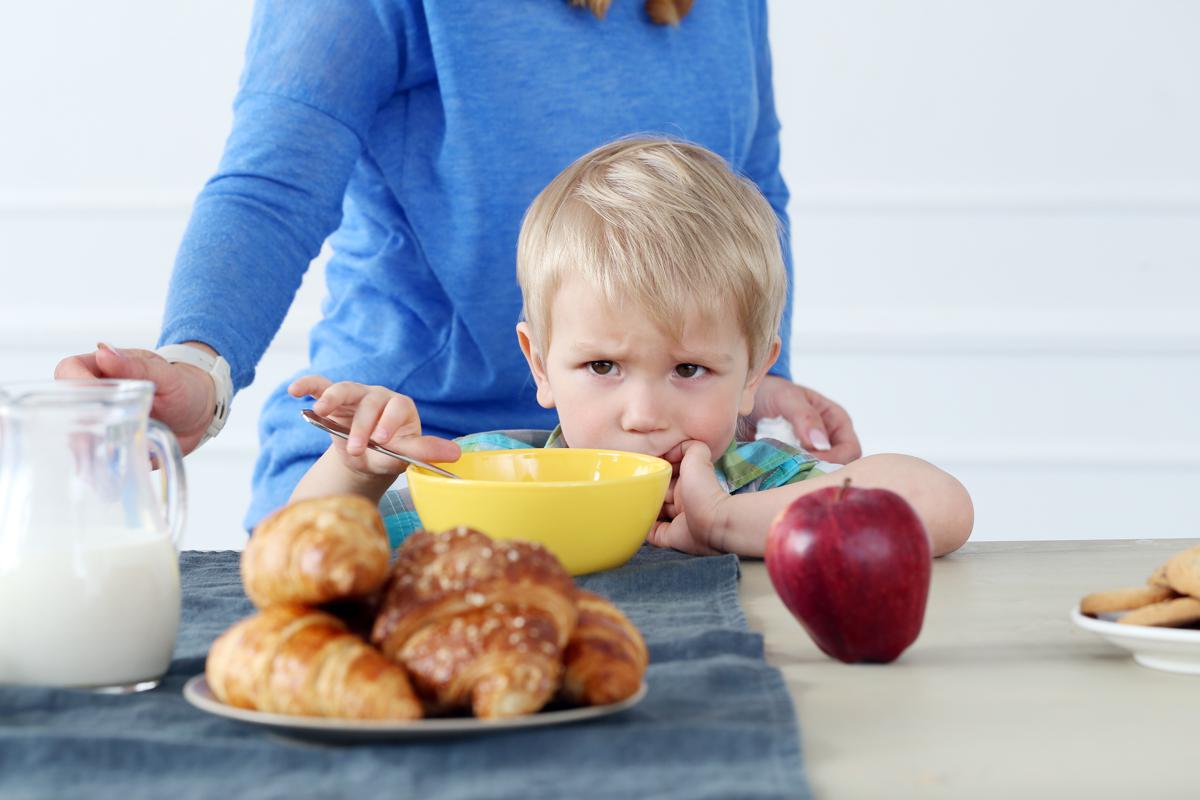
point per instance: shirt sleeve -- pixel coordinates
(762, 167)
(800, 467)
(315, 75)
(399, 515)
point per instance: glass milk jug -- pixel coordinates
(89, 572)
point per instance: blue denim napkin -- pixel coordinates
(718, 722)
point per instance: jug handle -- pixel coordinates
(170, 459)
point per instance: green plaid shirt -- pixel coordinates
(743, 467)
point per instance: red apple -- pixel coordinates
(853, 566)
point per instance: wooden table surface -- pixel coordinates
(1001, 696)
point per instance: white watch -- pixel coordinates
(218, 370)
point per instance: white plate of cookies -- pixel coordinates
(1159, 623)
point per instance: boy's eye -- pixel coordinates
(688, 370)
(600, 367)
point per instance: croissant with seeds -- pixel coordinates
(479, 624)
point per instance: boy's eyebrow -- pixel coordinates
(717, 359)
(582, 346)
(682, 355)
(594, 344)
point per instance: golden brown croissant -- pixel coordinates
(497, 662)
(294, 660)
(313, 551)
(477, 622)
(606, 656)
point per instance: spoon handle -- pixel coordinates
(337, 429)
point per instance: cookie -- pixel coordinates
(1123, 599)
(1183, 572)
(1167, 614)
(1159, 576)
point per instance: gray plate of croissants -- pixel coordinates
(457, 634)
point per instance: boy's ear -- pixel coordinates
(537, 365)
(755, 378)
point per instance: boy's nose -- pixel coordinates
(644, 411)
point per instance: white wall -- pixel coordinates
(997, 231)
(996, 215)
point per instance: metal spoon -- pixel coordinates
(337, 429)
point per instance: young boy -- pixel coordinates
(653, 284)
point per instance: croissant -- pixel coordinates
(496, 662)
(477, 623)
(606, 656)
(294, 660)
(313, 551)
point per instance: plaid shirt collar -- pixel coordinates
(742, 463)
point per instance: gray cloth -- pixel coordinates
(717, 723)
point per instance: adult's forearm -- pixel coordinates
(234, 280)
(256, 226)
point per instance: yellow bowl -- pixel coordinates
(591, 508)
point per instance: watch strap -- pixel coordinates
(217, 368)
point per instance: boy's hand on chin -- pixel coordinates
(670, 510)
(695, 503)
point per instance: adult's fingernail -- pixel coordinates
(109, 348)
(380, 435)
(819, 439)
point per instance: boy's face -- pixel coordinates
(620, 383)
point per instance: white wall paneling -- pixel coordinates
(996, 230)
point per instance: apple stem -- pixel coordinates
(842, 491)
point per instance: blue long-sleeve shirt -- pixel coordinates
(417, 133)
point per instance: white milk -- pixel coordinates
(99, 615)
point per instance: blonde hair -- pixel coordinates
(665, 224)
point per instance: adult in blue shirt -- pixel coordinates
(414, 133)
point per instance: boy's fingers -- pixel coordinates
(431, 449)
(366, 417)
(309, 385)
(676, 535)
(694, 450)
(399, 417)
(338, 394)
(696, 464)
(667, 534)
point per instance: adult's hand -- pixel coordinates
(184, 396)
(821, 425)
